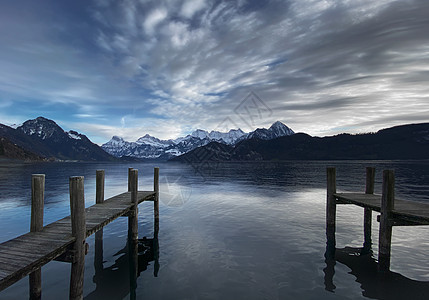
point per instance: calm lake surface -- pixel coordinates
(230, 231)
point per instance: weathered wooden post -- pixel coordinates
(385, 233)
(99, 198)
(367, 215)
(331, 210)
(77, 207)
(133, 232)
(99, 183)
(156, 201)
(132, 216)
(129, 179)
(37, 202)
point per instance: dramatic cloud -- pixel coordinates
(168, 67)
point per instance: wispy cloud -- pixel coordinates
(319, 65)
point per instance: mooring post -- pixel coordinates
(367, 214)
(385, 233)
(129, 178)
(37, 202)
(331, 211)
(132, 216)
(77, 208)
(99, 183)
(99, 198)
(133, 232)
(156, 201)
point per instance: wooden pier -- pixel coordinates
(64, 239)
(393, 212)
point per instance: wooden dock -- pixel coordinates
(393, 212)
(65, 239)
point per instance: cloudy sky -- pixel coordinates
(167, 67)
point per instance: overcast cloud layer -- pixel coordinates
(167, 67)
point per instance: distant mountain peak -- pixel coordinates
(41, 127)
(278, 124)
(281, 129)
(276, 130)
(151, 147)
(199, 133)
(47, 139)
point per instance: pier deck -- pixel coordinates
(393, 212)
(22, 255)
(410, 211)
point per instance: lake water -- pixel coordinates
(230, 231)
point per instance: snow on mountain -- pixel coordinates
(201, 134)
(47, 139)
(74, 135)
(153, 141)
(152, 147)
(276, 130)
(41, 127)
(280, 129)
(228, 138)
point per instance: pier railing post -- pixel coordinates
(385, 233)
(133, 232)
(99, 198)
(367, 215)
(331, 210)
(77, 207)
(132, 219)
(99, 183)
(37, 203)
(156, 201)
(129, 178)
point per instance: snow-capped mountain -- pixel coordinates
(150, 147)
(44, 138)
(276, 130)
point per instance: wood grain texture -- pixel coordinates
(55, 238)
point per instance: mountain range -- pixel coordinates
(43, 139)
(399, 142)
(149, 147)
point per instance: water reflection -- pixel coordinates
(120, 279)
(375, 285)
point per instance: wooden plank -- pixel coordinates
(35, 250)
(23, 258)
(407, 209)
(22, 253)
(16, 274)
(364, 200)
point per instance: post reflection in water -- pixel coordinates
(374, 284)
(120, 279)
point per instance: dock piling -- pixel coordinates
(99, 198)
(78, 224)
(36, 224)
(331, 210)
(64, 240)
(156, 200)
(129, 178)
(133, 232)
(367, 216)
(132, 217)
(385, 233)
(99, 186)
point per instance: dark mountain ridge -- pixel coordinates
(399, 142)
(42, 137)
